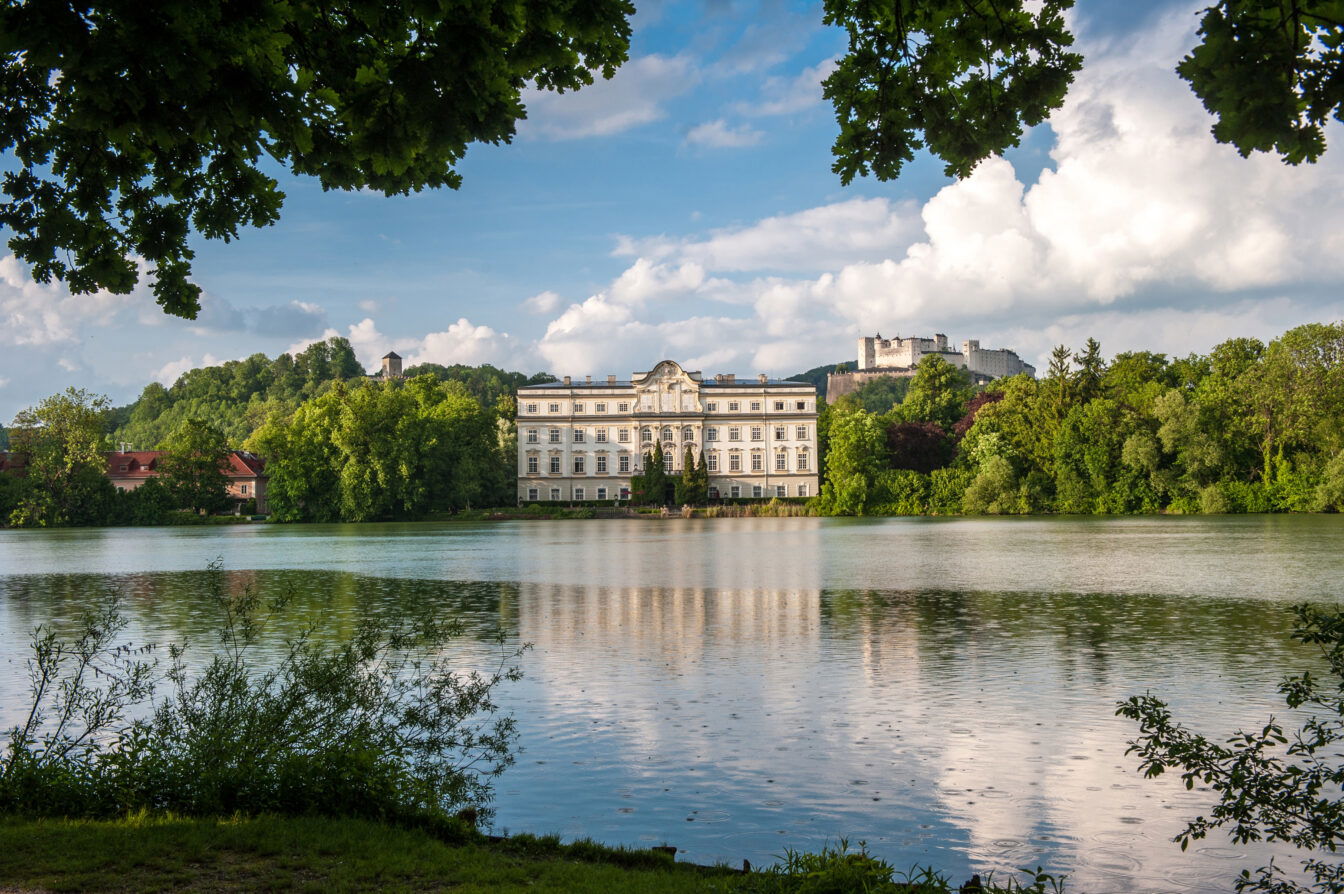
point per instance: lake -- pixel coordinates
(942, 689)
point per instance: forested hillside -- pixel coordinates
(237, 397)
(817, 375)
(338, 444)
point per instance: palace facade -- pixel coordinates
(584, 440)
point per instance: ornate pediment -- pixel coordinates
(667, 388)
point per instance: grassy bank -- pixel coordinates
(313, 854)
(150, 854)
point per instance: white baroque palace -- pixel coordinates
(584, 440)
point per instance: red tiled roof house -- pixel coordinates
(246, 472)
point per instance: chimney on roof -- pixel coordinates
(730, 377)
(611, 380)
(566, 380)
(762, 378)
(587, 380)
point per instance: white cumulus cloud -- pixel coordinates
(718, 134)
(634, 96)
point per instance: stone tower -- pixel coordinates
(391, 365)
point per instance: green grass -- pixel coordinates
(313, 854)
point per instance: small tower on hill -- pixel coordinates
(391, 365)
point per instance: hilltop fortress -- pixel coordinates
(898, 357)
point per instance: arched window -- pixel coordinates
(667, 433)
(686, 433)
(647, 435)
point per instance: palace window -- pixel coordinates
(781, 461)
(555, 465)
(579, 465)
(554, 408)
(555, 436)
(733, 406)
(532, 465)
(578, 407)
(599, 408)
(800, 405)
(578, 436)
(624, 464)
(601, 464)
(578, 493)
(756, 490)
(531, 436)
(780, 432)
(686, 433)
(667, 432)
(800, 432)
(601, 436)
(555, 493)
(531, 408)
(711, 434)
(757, 462)
(802, 490)
(711, 406)
(734, 462)
(601, 493)
(781, 490)
(711, 462)
(757, 433)
(734, 433)
(622, 407)
(735, 491)
(779, 406)
(242, 489)
(532, 495)
(646, 435)
(802, 460)
(755, 406)
(623, 435)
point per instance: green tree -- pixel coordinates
(131, 126)
(1091, 366)
(193, 467)
(1271, 785)
(64, 442)
(938, 393)
(964, 77)
(654, 479)
(857, 455)
(879, 395)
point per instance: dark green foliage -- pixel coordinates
(649, 486)
(134, 125)
(384, 450)
(1271, 784)
(879, 395)
(236, 397)
(963, 78)
(1270, 73)
(692, 485)
(63, 440)
(840, 870)
(1248, 428)
(485, 383)
(960, 77)
(192, 470)
(378, 725)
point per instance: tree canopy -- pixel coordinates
(963, 78)
(133, 124)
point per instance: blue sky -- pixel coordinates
(686, 209)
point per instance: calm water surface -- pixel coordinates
(942, 689)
